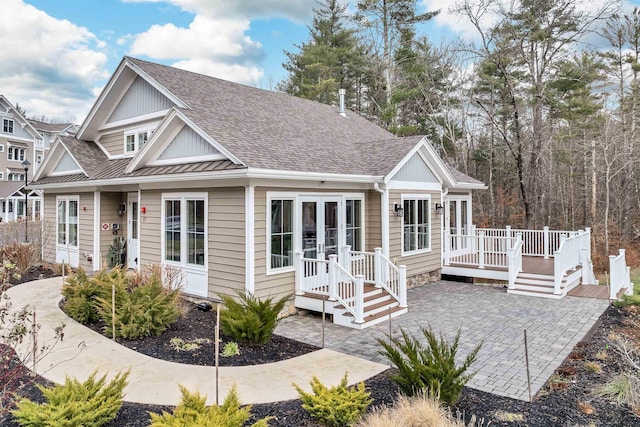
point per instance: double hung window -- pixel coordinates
(416, 225)
(281, 233)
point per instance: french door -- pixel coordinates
(321, 219)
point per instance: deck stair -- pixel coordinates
(378, 305)
(541, 285)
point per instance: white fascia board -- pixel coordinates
(432, 160)
(414, 185)
(163, 90)
(74, 158)
(156, 115)
(311, 176)
(46, 160)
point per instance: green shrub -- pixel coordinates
(141, 311)
(91, 403)
(193, 412)
(80, 292)
(633, 299)
(431, 368)
(250, 319)
(335, 406)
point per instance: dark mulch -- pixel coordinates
(569, 400)
(197, 324)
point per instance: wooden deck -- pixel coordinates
(530, 264)
(590, 291)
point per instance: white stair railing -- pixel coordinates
(515, 260)
(620, 275)
(568, 256)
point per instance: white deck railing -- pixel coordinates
(569, 255)
(620, 275)
(478, 250)
(328, 278)
(514, 256)
(535, 242)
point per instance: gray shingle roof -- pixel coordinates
(49, 127)
(7, 188)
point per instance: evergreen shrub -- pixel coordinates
(336, 406)
(193, 412)
(429, 368)
(92, 403)
(250, 318)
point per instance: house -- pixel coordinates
(243, 189)
(20, 142)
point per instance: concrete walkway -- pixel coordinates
(156, 381)
(481, 313)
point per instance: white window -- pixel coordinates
(281, 233)
(354, 224)
(16, 177)
(135, 140)
(185, 229)
(15, 153)
(1, 175)
(416, 234)
(7, 125)
(1, 148)
(67, 221)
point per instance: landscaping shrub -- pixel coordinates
(633, 299)
(80, 292)
(92, 403)
(336, 406)
(431, 368)
(250, 319)
(141, 311)
(624, 388)
(417, 411)
(193, 412)
(22, 255)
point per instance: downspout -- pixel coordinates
(443, 225)
(384, 217)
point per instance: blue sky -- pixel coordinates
(57, 55)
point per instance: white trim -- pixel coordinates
(182, 160)
(250, 250)
(156, 116)
(66, 173)
(184, 197)
(96, 230)
(416, 197)
(277, 195)
(413, 185)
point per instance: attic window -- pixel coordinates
(135, 140)
(7, 125)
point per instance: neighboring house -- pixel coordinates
(249, 190)
(20, 141)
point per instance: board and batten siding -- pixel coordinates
(113, 143)
(141, 98)
(226, 241)
(420, 263)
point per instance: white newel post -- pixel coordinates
(507, 231)
(447, 246)
(481, 249)
(584, 262)
(629, 290)
(299, 272)
(377, 267)
(345, 258)
(545, 242)
(402, 286)
(359, 299)
(333, 277)
(613, 278)
(473, 239)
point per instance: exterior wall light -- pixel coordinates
(398, 210)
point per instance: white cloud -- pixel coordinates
(49, 66)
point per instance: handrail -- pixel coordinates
(568, 256)
(515, 260)
(620, 275)
(542, 243)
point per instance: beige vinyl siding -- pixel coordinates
(226, 241)
(49, 232)
(423, 262)
(273, 285)
(372, 221)
(109, 202)
(113, 143)
(150, 228)
(85, 233)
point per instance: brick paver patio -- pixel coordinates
(481, 313)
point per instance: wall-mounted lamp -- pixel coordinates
(121, 209)
(143, 210)
(398, 210)
(439, 208)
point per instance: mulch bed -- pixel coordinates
(568, 399)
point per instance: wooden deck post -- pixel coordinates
(447, 247)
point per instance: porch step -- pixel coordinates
(541, 285)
